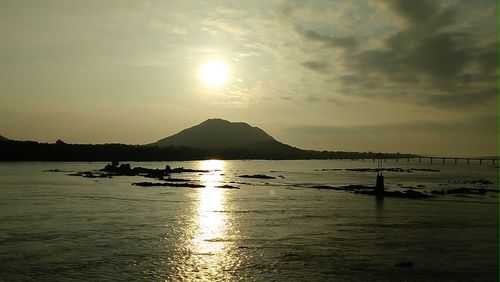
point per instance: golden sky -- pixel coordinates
(407, 76)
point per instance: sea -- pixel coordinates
(58, 227)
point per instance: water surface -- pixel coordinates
(59, 227)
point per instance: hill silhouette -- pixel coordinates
(219, 134)
(4, 138)
(213, 138)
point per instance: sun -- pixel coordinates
(214, 74)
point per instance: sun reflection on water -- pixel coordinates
(211, 221)
(209, 258)
(207, 253)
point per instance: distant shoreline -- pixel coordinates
(60, 151)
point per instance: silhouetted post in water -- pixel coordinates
(419, 160)
(455, 160)
(493, 161)
(480, 161)
(379, 186)
(443, 160)
(431, 159)
(468, 160)
(408, 160)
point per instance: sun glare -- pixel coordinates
(214, 74)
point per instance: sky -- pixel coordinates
(394, 76)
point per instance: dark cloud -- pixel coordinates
(410, 56)
(347, 42)
(487, 58)
(321, 67)
(415, 11)
(429, 60)
(438, 66)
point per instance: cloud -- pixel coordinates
(433, 63)
(477, 124)
(347, 42)
(316, 66)
(416, 11)
(230, 28)
(425, 58)
(459, 100)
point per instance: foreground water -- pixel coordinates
(56, 227)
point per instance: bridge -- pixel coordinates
(440, 159)
(457, 159)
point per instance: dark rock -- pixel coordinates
(408, 194)
(259, 176)
(124, 167)
(183, 184)
(463, 191)
(116, 169)
(177, 179)
(416, 195)
(478, 181)
(181, 170)
(110, 168)
(89, 174)
(168, 184)
(351, 188)
(56, 170)
(226, 186)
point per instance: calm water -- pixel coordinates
(56, 227)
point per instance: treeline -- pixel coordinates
(60, 151)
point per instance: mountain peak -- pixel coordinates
(217, 133)
(216, 121)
